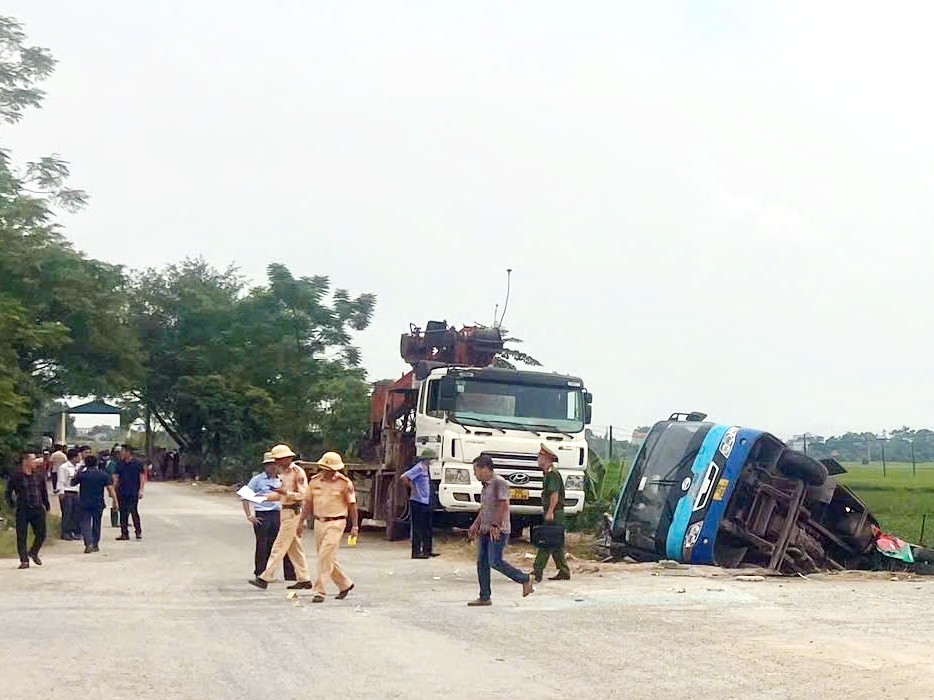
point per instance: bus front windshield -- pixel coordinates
(526, 406)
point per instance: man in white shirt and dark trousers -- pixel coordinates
(266, 517)
(68, 496)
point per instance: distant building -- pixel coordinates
(800, 442)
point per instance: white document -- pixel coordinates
(248, 494)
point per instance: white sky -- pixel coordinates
(708, 206)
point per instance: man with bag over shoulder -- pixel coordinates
(553, 509)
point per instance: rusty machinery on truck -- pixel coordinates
(391, 441)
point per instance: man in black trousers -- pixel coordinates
(265, 517)
(129, 480)
(92, 482)
(32, 503)
(418, 481)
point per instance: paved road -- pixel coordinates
(172, 617)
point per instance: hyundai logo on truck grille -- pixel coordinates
(518, 479)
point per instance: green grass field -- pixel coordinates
(898, 499)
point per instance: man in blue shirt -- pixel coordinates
(418, 481)
(265, 517)
(92, 482)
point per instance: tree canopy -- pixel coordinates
(63, 328)
(228, 369)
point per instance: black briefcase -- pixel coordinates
(548, 536)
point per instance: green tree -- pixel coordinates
(63, 327)
(230, 370)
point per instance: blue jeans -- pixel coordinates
(490, 555)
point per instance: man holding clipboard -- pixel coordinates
(265, 516)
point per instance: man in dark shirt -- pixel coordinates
(129, 480)
(92, 482)
(32, 504)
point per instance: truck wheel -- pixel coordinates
(397, 529)
(801, 466)
(397, 519)
(516, 529)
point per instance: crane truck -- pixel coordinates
(454, 401)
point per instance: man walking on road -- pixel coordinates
(288, 541)
(492, 528)
(32, 503)
(129, 481)
(265, 517)
(68, 496)
(331, 499)
(418, 481)
(92, 481)
(553, 511)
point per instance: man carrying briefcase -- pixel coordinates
(550, 539)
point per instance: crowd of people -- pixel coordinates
(281, 498)
(80, 480)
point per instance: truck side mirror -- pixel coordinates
(588, 414)
(588, 398)
(447, 394)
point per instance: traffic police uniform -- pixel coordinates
(330, 500)
(295, 484)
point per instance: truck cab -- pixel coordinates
(506, 414)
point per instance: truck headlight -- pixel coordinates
(575, 482)
(453, 475)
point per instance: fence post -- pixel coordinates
(924, 518)
(610, 458)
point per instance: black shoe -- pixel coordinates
(343, 593)
(301, 586)
(123, 538)
(536, 576)
(560, 577)
(421, 556)
(35, 558)
(318, 599)
(259, 583)
(88, 549)
(433, 554)
(95, 548)
(24, 565)
(139, 535)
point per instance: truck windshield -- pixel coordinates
(647, 504)
(538, 407)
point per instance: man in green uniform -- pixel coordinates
(553, 508)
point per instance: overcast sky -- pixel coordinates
(723, 207)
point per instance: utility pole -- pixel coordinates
(148, 419)
(882, 440)
(804, 438)
(911, 445)
(610, 457)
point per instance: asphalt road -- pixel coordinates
(172, 617)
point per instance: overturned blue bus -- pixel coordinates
(709, 493)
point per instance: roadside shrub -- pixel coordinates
(588, 520)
